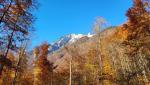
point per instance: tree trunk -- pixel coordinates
(8, 47)
(70, 70)
(22, 50)
(1, 19)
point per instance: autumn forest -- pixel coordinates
(111, 55)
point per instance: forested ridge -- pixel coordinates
(116, 55)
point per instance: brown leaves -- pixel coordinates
(5, 61)
(45, 68)
(134, 12)
(139, 19)
(44, 48)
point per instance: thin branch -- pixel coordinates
(22, 51)
(1, 19)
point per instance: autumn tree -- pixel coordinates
(138, 20)
(36, 69)
(21, 71)
(91, 69)
(8, 75)
(15, 24)
(44, 67)
(137, 41)
(99, 24)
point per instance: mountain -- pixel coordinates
(67, 39)
(78, 47)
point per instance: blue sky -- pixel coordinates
(56, 18)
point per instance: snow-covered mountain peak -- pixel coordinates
(90, 35)
(75, 37)
(67, 39)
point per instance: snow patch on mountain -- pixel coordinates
(67, 39)
(75, 37)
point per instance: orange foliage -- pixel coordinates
(43, 62)
(44, 67)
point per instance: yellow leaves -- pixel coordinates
(36, 52)
(17, 9)
(12, 74)
(89, 66)
(36, 70)
(121, 34)
(11, 56)
(106, 66)
(106, 82)
(14, 12)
